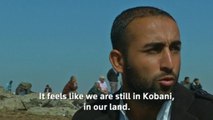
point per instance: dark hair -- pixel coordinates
(186, 78)
(121, 22)
(72, 78)
(196, 79)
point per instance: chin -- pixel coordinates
(165, 91)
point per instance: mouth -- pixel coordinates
(167, 81)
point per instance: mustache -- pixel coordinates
(163, 74)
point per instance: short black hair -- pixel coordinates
(196, 79)
(121, 22)
(186, 78)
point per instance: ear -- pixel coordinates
(116, 59)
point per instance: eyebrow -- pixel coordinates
(176, 42)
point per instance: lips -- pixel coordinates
(167, 81)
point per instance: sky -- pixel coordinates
(47, 41)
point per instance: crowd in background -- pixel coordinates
(100, 86)
(195, 85)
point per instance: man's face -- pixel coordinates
(102, 80)
(197, 82)
(187, 80)
(152, 62)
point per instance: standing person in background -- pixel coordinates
(71, 86)
(112, 77)
(9, 86)
(47, 89)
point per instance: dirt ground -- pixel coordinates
(22, 115)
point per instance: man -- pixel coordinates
(146, 51)
(112, 77)
(186, 82)
(103, 85)
(195, 85)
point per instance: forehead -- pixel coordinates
(154, 28)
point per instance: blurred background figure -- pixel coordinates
(96, 89)
(195, 85)
(9, 86)
(48, 89)
(112, 77)
(23, 88)
(186, 82)
(103, 85)
(71, 86)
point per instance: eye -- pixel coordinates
(155, 49)
(175, 47)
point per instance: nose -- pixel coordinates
(166, 62)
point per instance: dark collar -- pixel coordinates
(183, 99)
(180, 106)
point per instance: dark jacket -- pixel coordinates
(186, 106)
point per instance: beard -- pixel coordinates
(143, 83)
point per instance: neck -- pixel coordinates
(143, 110)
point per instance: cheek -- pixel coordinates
(177, 63)
(145, 66)
(149, 64)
